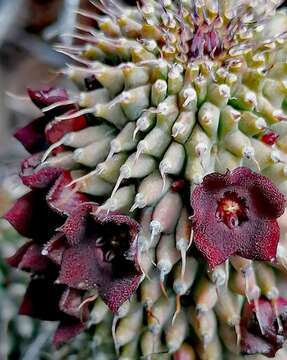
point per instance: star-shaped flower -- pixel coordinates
(235, 213)
(98, 250)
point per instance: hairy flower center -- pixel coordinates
(232, 210)
(113, 239)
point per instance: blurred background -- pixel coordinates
(28, 30)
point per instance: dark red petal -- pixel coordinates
(215, 241)
(32, 136)
(75, 226)
(57, 128)
(63, 198)
(282, 306)
(32, 218)
(71, 304)
(42, 178)
(35, 177)
(257, 239)
(21, 216)
(84, 267)
(262, 242)
(47, 96)
(214, 182)
(85, 264)
(55, 248)
(257, 236)
(119, 290)
(59, 149)
(67, 329)
(41, 300)
(15, 259)
(29, 164)
(33, 260)
(269, 200)
(252, 339)
(252, 344)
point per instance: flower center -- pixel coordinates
(232, 210)
(113, 239)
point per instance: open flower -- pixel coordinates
(235, 213)
(271, 334)
(98, 251)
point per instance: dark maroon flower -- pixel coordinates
(270, 335)
(98, 251)
(62, 197)
(235, 213)
(32, 136)
(41, 300)
(67, 329)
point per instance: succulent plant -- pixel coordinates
(158, 189)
